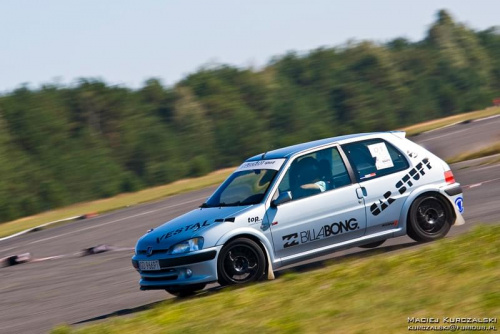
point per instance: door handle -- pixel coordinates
(361, 192)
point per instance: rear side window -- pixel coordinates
(374, 158)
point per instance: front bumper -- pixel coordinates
(191, 268)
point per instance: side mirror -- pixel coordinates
(284, 197)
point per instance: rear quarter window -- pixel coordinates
(374, 158)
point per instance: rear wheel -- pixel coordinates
(429, 219)
(373, 244)
(241, 261)
(184, 290)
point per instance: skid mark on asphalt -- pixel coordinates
(114, 221)
(469, 186)
(441, 136)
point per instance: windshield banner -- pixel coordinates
(262, 164)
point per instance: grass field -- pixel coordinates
(217, 177)
(455, 277)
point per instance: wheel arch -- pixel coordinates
(426, 190)
(260, 240)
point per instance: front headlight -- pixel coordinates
(187, 246)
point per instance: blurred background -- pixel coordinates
(99, 99)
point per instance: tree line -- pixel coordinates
(60, 145)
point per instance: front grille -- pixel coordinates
(160, 272)
(159, 278)
(155, 251)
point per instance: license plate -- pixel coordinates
(149, 265)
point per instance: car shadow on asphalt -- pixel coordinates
(301, 268)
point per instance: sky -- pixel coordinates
(125, 42)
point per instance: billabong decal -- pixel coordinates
(324, 232)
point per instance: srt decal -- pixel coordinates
(383, 204)
(192, 227)
(401, 185)
(414, 174)
(324, 232)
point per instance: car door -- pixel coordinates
(316, 218)
(379, 167)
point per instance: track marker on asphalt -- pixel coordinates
(114, 221)
(27, 258)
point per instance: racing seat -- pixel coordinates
(364, 163)
(325, 170)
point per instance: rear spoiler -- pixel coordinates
(400, 134)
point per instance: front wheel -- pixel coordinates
(184, 290)
(241, 261)
(429, 219)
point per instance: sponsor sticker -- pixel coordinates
(325, 231)
(402, 186)
(459, 202)
(262, 164)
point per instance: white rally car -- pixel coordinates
(300, 202)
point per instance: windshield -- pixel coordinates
(243, 187)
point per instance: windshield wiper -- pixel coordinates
(221, 204)
(238, 203)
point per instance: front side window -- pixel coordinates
(374, 158)
(315, 173)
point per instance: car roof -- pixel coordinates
(288, 151)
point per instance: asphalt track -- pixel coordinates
(75, 289)
(453, 140)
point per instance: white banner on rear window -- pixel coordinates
(381, 154)
(262, 164)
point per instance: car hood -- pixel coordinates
(189, 225)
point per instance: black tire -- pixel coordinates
(185, 290)
(240, 261)
(373, 244)
(429, 219)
